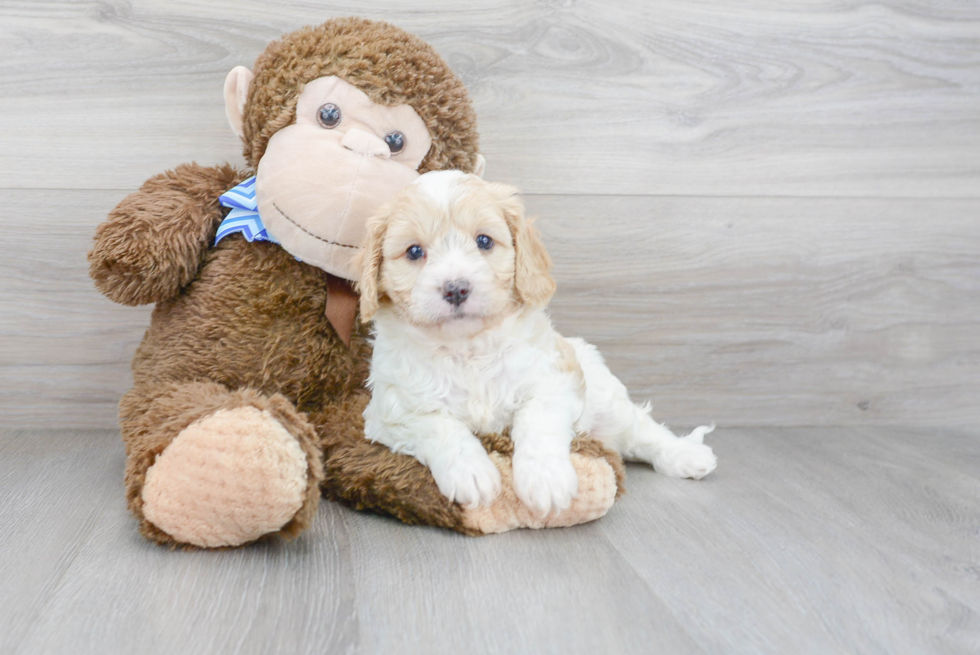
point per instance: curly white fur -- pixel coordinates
(442, 373)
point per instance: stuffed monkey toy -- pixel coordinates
(249, 383)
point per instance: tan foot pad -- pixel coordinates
(596, 494)
(226, 479)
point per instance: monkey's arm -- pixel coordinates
(154, 241)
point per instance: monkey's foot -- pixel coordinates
(227, 479)
(597, 487)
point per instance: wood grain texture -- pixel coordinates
(819, 540)
(64, 348)
(747, 309)
(776, 311)
(764, 213)
(816, 98)
(821, 543)
(78, 577)
(744, 311)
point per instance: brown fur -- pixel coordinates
(150, 423)
(153, 242)
(581, 445)
(243, 324)
(391, 66)
(368, 476)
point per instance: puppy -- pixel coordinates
(456, 281)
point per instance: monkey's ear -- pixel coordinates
(236, 93)
(532, 263)
(368, 262)
(481, 165)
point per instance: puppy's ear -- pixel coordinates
(368, 261)
(532, 265)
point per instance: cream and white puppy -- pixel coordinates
(456, 282)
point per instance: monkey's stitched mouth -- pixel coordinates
(315, 236)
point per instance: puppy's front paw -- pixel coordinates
(467, 475)
(687, 457)
(545, 482)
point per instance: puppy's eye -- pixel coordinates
(395, 141)
(328, 115)
(415, 252)
(483, 242)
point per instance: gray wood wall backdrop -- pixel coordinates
(763, 212)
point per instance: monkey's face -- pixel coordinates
(323, 176)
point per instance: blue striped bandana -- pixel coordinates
(244, 214)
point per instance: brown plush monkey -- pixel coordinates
(248, 385)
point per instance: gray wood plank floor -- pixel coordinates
(808, 540)
(764, 213)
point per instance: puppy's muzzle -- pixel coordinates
(456, 292)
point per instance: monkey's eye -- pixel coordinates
(328, 115)
(395, 141)
(483, 242)
(415, 252)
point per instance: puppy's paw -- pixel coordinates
(467, 475)
(545, 482)
(687, 457)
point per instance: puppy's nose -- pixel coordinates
(456, 292)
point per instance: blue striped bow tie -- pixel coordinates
(244, 214)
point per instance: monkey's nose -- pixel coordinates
(364, 143)
(456, 292)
